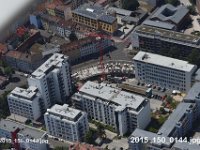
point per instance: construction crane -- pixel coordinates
(101, 63)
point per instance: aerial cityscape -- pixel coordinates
(100, 75)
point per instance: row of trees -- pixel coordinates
(4, 110)
(92, 134)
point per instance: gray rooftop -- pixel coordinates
(95, 12)
(186, 146)
(194, 92)
(28, 94)
(150, 135)
(65, 111)
(174, 118)
(159, 24)
(120, 11)
(167, 34)
(53, 62)
(115, 95)
(30, 132)
(164, 61)
(170, 13)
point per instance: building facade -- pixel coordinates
(180, 122)
(25, 102)
(111, 106)
(53, 80)
(66, 123)
(94, 17)
(85, 47)
(157, 40)
(29, 138)
(163, 71)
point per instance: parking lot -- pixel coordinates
(17, 81)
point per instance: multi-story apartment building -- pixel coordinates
(193, 96)
(94, 17)
(145, 140)
(163, 71)
(66, 123)
(156, 40)
(85, 47)
(23, 137)
(53, 80)
(122, 110)
(25, 102)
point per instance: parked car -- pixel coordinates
(163, 89)
(158, 88)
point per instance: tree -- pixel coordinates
(192, 9)
(61, 148)
(73, 37)
(8, 71)
(89, 137)
(130, 4)
(193, 2)
(169, 99)
(194, 57)
(4, 110)
(101, 130)
(173, 2)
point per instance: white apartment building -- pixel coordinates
(66, 123)
(25, 102)
(163, 71)
(53, 79)
(122, 110)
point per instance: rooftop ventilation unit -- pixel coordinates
(90, 10)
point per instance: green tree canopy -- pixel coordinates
(61, 148)
(73, 37)
(130, 4)
(192, 9)
(194, 57)
(173, 2)
(8, 71)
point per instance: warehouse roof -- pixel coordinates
(164, 61)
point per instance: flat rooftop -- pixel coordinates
(168, 34)
(150, 135)
(65, 111)
(25, 93)
(174, 118)
(169, 13)
(11, 126)
(194, 92)
(117, 96)
(94, 12)
(164, 61)
(53, 62)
